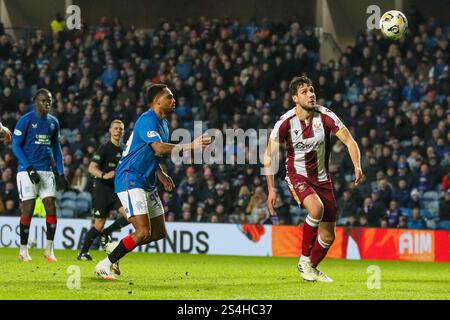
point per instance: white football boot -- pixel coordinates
(109, 247)
(306, 270)
(321, 277)
(104, 270)
(24, 255)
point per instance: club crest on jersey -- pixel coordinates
(301, 186)
(296, 132)
(317, 126)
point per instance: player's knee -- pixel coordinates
(49, 205)
(327, 238)
(143, 236)
(317, 211)
(159, 236)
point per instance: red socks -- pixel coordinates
(310, 228)
(319, 251)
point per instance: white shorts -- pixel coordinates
(44, 189)
(138, 202)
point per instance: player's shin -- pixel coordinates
(25, 222)
(126, 245)
(51, 222)
(319, 251)
(310, 228)
(116, 225)
(89, 238)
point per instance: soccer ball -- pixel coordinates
(393, 24)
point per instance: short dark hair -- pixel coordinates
(40, 91)
(154, 90)
(297, 82)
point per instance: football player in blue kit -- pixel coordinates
(138, 172)
(35, 144)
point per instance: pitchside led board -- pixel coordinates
(253, 240)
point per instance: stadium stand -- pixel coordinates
(395, 100)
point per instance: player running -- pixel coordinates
(138, 172)
(306, 131)
(35, 144)
(102, 167)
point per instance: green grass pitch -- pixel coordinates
(186, 277)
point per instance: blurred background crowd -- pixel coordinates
(394, 96)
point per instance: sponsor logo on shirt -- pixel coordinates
(305, 146)
(152, 134)
(42, 139)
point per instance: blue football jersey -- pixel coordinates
(137, 167)
(36, 143)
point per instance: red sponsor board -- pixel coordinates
(287, 242)
(371, 243)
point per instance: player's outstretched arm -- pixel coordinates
(162, 149)
(345, 136)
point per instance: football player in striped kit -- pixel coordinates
(306, 130)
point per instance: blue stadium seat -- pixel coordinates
(68, 195)
(82, 206)
(443, 225)
(68, 203)
(85, 196)
(67, 212)
(406, 211)
(430, 196)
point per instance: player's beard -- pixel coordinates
(308, 107)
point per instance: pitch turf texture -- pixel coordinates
(186, 277)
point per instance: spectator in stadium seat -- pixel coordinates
(186, 215)
(346, 204)
(402, 222)
(423, 180)
(200, 214)
(401, 194)
(79, 180)
(416, 221)
(11, 209)
(363, 221)
(444, 207)
(393, 214)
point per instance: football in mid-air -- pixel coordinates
(393, 24)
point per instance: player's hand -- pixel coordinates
(167, 181)
(109, 175)
(201, 142)
(34, 176)
(62, 183)
(271, 201)
(358, 176)
(6, 135)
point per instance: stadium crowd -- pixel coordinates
(393, 96)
